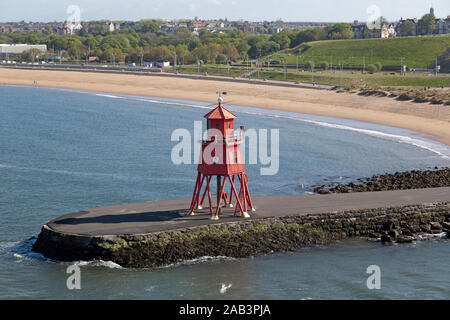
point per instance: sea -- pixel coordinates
(67, 150)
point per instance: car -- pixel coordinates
(132, 64)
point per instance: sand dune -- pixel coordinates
(432, 120)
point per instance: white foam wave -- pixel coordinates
(21, 250)
(184, 104)
(199, 260)
(438, 149)
(98, 263)
(109, 96)
(441, 150)
(65, 172)
(442, 235)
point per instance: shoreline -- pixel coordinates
(430, 120)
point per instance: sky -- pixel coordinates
(253, 10)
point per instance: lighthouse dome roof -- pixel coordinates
(220, 112)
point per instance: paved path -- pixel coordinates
(163, 215)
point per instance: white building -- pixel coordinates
(388, 31)
(10, 50)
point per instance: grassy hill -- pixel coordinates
(419, 52)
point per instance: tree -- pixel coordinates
(221, 58)
(231, 52)
(309, 65)
(407, 28)
(427, 24)
(324, 65)
(30, 55)
(269, 47)
(150, 27)
(181, 50)
(339, 31)
(282, 39)
(378, 65)
(201, 52)
(213, 51)
(371, 68)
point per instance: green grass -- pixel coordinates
(418, 52)
(325, 77)
(353, 78)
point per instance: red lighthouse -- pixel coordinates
(221, 157)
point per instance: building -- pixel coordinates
(161, 63)
(12, 50)
(109, 27)
(388, 31)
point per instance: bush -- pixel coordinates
(324, 65)
(309, 65)
(378, 66)
(372, 68)
(221, 59)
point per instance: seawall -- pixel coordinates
(243, 238)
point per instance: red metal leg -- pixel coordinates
(208, 179)
(194, 196)
(249, 199)
(233, 189)
(199, 191)
(244, 192)
(231, 192)
(216, 217)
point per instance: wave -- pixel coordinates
(97, 263)
(66, 172)
(441, 150)
(21, 250)
(436, 148)
(143, 99)
(198, 260)
(109, 96)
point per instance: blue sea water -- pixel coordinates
(66, 150)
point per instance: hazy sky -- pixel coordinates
(255, 10)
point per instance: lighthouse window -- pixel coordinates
(235, 157)
(217, 126)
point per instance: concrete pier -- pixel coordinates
(112, 232)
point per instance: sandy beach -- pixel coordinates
(432, 120)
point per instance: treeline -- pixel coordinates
(150, 43)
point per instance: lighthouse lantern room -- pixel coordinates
(221, 157)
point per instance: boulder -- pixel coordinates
(394, 234)
(386, 239)
(405, 239)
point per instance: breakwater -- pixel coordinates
(415, 179)
(243, 238)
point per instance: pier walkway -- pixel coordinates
(155, 216)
